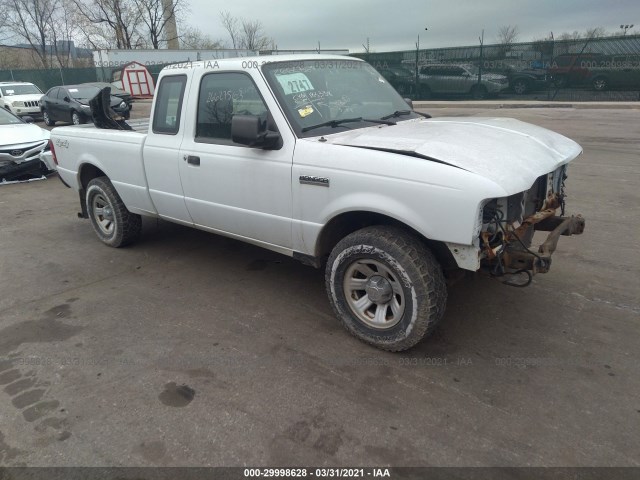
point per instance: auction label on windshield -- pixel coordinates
(294, 83)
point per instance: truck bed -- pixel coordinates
(118, 153)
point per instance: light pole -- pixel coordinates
(417, 55)
(624, 29)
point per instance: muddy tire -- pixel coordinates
(386, 287)
(113, 223)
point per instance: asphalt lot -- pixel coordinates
(192, 349)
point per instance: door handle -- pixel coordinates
(192, 160)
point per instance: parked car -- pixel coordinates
(115, 91)
(20, 98)
(614, 72)
(569, 70)
(314, 157)
(527, 80)
(70, 103)
(448, 79)
(403, 80)
(21, 144)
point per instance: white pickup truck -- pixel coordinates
(319, 158)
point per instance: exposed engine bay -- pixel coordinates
(509, 224)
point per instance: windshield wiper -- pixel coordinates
(336, 123)
(399, 113)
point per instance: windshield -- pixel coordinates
(7, 118)
(315, 92)
(9, 90)
(83, 92)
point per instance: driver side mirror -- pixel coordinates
(67, 99)
(409, 102)
(249, 130)
(28, 119)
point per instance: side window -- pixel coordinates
(223, 95)
(169, 96)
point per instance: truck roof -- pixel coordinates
(254, 62)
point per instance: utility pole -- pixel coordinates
(481, 38)
(417, 66)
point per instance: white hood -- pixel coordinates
(32, 97)
(508, 152)
(19, 134)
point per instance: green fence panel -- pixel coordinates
(45, 79)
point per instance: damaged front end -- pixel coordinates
(509, 224)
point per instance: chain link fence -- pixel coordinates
(600, 69)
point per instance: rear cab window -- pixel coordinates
(168, 106)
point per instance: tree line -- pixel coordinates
(48, 27)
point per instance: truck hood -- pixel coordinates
(508, 152)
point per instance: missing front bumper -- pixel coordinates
(516, 258)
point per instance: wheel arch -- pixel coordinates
(346, 223)
(86, 173)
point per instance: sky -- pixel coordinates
(389, 25)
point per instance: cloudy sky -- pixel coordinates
(389, 25)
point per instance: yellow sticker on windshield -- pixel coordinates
(306, 111)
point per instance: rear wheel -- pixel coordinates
(113, 223)
(386, 287)
(76, 118)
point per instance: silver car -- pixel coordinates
(447, 79)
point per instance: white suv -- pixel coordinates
(20, 98)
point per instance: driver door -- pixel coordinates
(231, 188)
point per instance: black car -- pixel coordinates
(527, 80)
(403, 80)
(71, 104)
(115, 91)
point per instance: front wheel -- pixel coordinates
(386, 287)
(47, 119)
(113, 223)
(520, 87)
